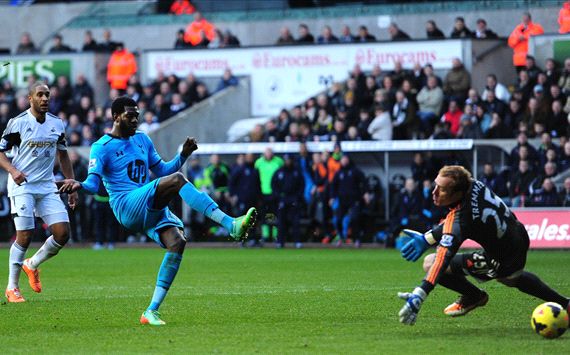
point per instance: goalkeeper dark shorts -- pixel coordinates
(483, 267)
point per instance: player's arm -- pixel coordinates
(11, 138)
(94, 173)
(448, 246)
(161, 168)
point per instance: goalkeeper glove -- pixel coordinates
(415, 247)
(409, 312)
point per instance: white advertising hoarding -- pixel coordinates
(285, 76)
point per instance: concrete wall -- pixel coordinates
(208, 121)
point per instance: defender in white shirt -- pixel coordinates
(35, 137)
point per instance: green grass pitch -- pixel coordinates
(264, 301)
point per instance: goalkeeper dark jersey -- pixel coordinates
(483, 217)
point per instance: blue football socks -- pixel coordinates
(204, 204)
(166, 274)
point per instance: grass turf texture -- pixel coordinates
(265, 301)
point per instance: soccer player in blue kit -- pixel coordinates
(122, 159)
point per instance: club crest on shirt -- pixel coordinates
(446, 240)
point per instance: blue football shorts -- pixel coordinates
(133, 210)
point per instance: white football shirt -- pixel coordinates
(35, 146)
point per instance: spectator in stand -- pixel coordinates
(267, 165)
(546, 196)
(82, 88)
(89, 44)
(535, 117)
(492, 104)
(473, 99)
(548, 171)
(380, 128)
(285, 37)
(564, 18)
(483, 118)
(522, 140)
(26, 45)
(557, 123)
(430, 100)
(420, 168)
(364, 36)
(524, 85)
(305, 36)
(514, 114)
(531, 69)
(432, 31)
(409, 208)
(404, 120)
(520, 183)
(161, 108)
(287, 184)
(460, 30)
(347, 190)
(498, 129)
(518, 39)
(565, 157)
(177, 104)
(230, 40)
(482, 32)
(364, 123)
(58, 46)
(564, 81)
(457, 81)
(452, 117)
(198, 30)
(418, 77)
(399, 74)
(564, 197)
(180, 43)
(150, 122)
(327, 36)
(108, 45)
(122, 65)
(500, 90)
(469, 128)
(244, 188)
(396, 34)
(546, 143)
(218, 40)
(346, 35)
(494, 181)
(182, 7)
(551, 71)
(202, 92)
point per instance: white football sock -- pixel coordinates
(17, 255)
(49, 249)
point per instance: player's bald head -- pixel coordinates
(121, 104)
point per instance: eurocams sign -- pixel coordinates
(285, 76)
(547, 228)
(18, 71)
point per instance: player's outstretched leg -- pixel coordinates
(49, 249)
(174, 242)
(531, 284)
(176, 183)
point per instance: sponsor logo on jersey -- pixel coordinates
(92, 163)
(446, 240)
(40, 144)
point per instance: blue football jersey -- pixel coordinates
(123, 164)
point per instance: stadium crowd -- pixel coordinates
(326, 190)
